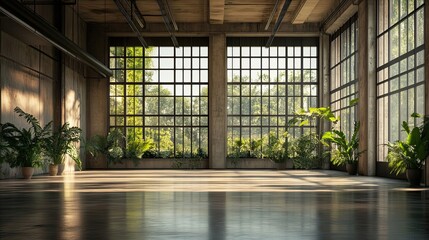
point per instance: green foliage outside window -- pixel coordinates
(160, 94)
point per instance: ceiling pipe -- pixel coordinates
(36, 24)
(168, 20)
(134, 18)
(278, 22)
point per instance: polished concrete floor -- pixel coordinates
(204, 204)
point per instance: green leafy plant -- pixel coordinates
(255, 148)
(304, 150)
(136, 147)
(303, 117)
(278, 149)
(345, 151)
(23, 147)
(60, 143)
(110, 146)
(412, 152)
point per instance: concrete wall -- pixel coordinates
(73, 97)
(34, 76)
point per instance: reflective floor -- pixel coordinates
(180, 204)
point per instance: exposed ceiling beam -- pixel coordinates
(278, 22)
(204, 29)
(217, 11)
(134, 18)
(48, 2)
(273, 12)
(168, 20)
(304, 9)
(339, 16)
(37, 25)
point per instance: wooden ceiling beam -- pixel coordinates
(304, 9)
(217, 11)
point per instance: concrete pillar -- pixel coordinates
(367, 87)
(97, 90)
(427, 79)
(217, 101)
(325, 98)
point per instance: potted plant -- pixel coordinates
(410, 154)
(345, 151)
(110, 146)
(278, 150)
(59, 144)
(23, 147)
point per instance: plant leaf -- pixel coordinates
(413, 138)
(406, 127)
(353, 102)
(416, 115)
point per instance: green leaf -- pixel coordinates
(414, 137)
(334, 119)
(416, 115)
(354, 102)
(406, 127)
(304, 122)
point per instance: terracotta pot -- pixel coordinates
(53, 169)
(60, 169)
(351, 168)
(414, 177)
(27, 172)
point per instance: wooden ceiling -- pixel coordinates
(211, 11)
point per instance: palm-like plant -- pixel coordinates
(60, 143)
(23, 147)
(345, 151)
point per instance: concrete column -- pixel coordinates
(427, 79)
(217, 101)
(325, 98)
(367, 87)
(97, 90)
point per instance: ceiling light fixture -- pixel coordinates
(134, 18)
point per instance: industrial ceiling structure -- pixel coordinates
(212, 11)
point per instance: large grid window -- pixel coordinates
(161, 93)
(344, 75)
(267, 86)
(400, 67)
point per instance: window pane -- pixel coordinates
(261, 107)
(170, 97)
(399, 77)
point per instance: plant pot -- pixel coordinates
(60, 169)
(53, 169)
(351, 168)
(414, 177)
(27, 172)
